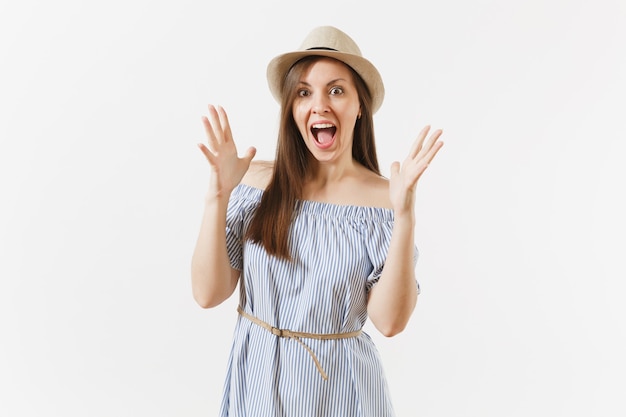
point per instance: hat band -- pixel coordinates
(322, 48)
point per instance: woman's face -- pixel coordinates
(326, 109)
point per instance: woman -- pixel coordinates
(317, 240)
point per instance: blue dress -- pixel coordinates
(338, 255)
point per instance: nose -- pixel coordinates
(320, 104)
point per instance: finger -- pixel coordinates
(428, 146)
(417, 145)
(216, 124)
(433, 139)
(210, 134)
(433, 151)
(207, 153)
(225, 125)
(249, 154)
(395, 169)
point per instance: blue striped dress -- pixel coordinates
(338, 254)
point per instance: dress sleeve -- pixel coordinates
(377, 239)
(238, 214)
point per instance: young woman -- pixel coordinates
(317, 240)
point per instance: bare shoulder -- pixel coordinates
(259, 174)
(377, 194)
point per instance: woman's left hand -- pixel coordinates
(404, 177)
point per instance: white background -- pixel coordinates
(520, 217)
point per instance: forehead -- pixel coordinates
(326, 69)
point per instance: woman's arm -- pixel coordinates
(213, 279)
(392, 300)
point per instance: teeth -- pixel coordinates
(322, 125)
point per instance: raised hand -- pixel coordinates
(404, 177)
(227, 168)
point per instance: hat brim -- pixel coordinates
(279, 66)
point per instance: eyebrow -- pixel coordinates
(327, 84)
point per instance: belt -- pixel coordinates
(298, 335)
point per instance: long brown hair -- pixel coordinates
(270, 225)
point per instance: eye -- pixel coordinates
(303, 92)
(336, 90)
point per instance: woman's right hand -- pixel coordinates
(227, 169)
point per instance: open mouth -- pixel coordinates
(324, 133)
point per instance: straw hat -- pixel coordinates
(331, 42)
